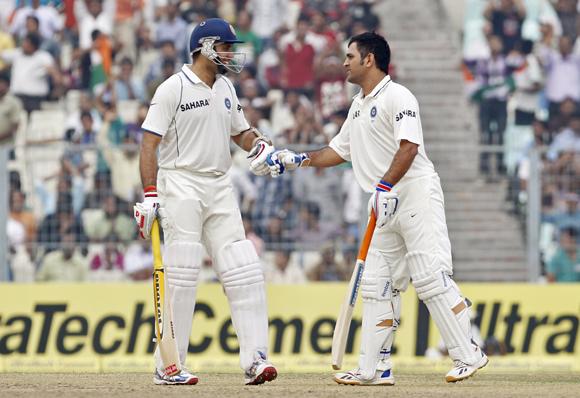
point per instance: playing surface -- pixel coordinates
(289, 385)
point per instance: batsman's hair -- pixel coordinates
(373, 43)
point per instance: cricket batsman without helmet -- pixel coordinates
(184, 164)
(383, 138)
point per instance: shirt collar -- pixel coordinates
(192, 77)
(382, 84)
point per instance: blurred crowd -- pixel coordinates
(76, 78)
(522, 69)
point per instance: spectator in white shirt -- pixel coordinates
(283, 271)
(96, 19)
(49, 20)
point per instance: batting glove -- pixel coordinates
(146, 211)
(258, 154)
(282, 160)
(383, 203)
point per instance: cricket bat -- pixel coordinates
(342, 327)
(164, 332)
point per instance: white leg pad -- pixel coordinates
(182, 262)
(378, 314)
(434, 288)
(243, 280)
(385, 362)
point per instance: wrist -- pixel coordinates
(150, 191)
(384, 186)
(304, 159)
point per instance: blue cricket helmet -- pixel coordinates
(215, 28)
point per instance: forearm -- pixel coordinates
(325, 157)
(246, 139)
(148, 162)
(401, 163)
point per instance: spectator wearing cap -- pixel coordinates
(10, 108)
(564, 266)
(31, 70)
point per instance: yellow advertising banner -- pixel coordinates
(109, 327)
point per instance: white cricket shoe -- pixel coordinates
(353, 378)
(185, 377)
(260, 372)
(462, 371)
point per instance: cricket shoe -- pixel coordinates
(462, 371)
(353, 378)
(184, 377)
(260, 372)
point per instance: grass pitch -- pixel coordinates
(409, 385)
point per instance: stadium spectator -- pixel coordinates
(267, 17)
(327, 269)
(64, 264)
(10, 110)
(252, 236)
(94, 19)
(30, 73)
(125, 86)
(569, 16)
(493, 76)
(562, 69)
(173, 28)
(100, 223)
(565, 265)
(298, 61)
(107, 266)
(123, 162)
(49, 21)
(63, 222)
(284, 271)
(138, 261)
(20, 213)
(252, 45)
(507, 18)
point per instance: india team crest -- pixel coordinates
(228, 103)
(373, 111)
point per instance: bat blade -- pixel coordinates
(164, 331)
(342, 327)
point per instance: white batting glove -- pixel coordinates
(383, 203)
(258, 154)
(146, 211)
(282, 160)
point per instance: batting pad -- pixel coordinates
(434, 288)
(378, 323)
(182, 262)
(243, 280)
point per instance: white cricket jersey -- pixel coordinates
(196, 122)
(373, 130)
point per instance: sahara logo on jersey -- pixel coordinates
(228, 103)
(408, 112)
(194, 105)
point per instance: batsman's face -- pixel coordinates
(353, 64)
